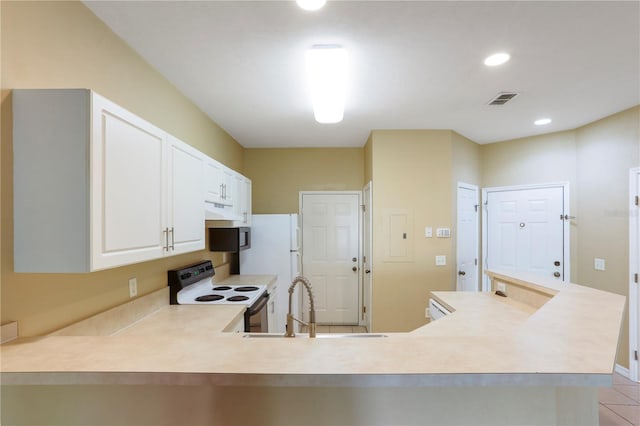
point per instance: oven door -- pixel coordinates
(255, 317)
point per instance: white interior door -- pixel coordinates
(525, 230)
(467, 238)
(330, 255)
(367, 258)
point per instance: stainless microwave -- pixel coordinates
(229, 239)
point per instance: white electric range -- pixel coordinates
(194, 285)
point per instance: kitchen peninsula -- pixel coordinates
(536, 357)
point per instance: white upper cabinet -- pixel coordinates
(97, 187)
(213, 181)
(186, 198)
(227, 194)
(242, 206)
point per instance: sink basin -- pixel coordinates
(318, 336)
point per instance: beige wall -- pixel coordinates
(606, 150)
(411, 172)
(278, 175)
(368, 161)
(62, 44)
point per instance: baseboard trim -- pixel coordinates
(623, 371)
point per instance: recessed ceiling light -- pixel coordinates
(496, 59)
(542, 121)
(311, 4)
(327, 74)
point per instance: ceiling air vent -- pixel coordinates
(502, 98)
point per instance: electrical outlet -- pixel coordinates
(133, 287)
(441, 260)
(426, 313)
(501, 287)
(599, 264)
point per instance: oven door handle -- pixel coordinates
(257, 308)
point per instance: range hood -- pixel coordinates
(216, 211)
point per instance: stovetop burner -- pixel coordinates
(209, 298)
(237, 298)
(246, 288)
(222, 288)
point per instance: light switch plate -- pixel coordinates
(599, 264)
(443, 232)
(428, 232)
(441, 260)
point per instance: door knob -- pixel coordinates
(556, 274)
(366, 271)
(354, 269)
(462, 273)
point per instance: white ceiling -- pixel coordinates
(413, 64)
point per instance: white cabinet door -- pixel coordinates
(128, 198)
(242, 200)
(246, 201)
(228, 186)
(213, 181)
(185, 198)
(242, 206)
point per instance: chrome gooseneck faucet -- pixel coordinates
(312, 310)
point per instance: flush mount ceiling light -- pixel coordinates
(311, 4)
(327, 75)
(542, 121)
(496, 59)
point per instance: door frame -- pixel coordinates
(462, 185)
(359, 264)
(486, 284)
(634, 267)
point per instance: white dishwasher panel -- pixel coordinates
(436, 310)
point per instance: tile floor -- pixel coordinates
(620, 404)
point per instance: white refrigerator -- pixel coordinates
(275, 250)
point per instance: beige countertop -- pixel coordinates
(186, 320)
(570, 341)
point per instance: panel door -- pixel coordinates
(467, 239)
(128, 197)
(186, 198)
(330, 259)
(526, 231)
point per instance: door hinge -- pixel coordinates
(364, 207)
(635, 278)
(364, 310)
(635, 355)
(636, 200)
(475, 261)
(475, 207)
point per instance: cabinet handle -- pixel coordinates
(166, 239)
(172, 240)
